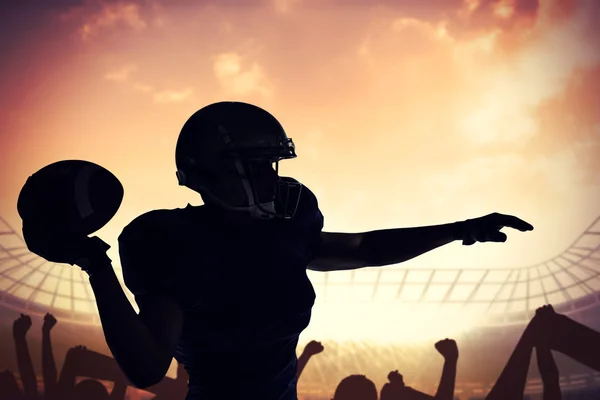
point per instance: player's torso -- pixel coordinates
(216, 267)
(244, 293)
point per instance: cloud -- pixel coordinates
(284, 6)
(571, 120)
(111, 16)
(237, 81)
(95, 17)
(476, 16)
(120, 75)
(579, 99)
(140, 87)
(172, 96)
(528, 76)
(554, 175)
(123, 76)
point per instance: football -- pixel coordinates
(72, 196)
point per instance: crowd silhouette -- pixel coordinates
(79, 362)
(546, 331)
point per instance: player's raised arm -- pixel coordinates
(141, 344)
(344, 251)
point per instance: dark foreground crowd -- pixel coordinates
(546, 331)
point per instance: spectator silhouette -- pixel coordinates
(549, 373)
(312, 348)
(546, 331)
(561, 333)
(20, 328)
(80, 361)
(48, 365)
(53, 390)
(9, 388)
(395, 389)
(355, 387)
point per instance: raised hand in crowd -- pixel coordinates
(396, 389)
(20, 328)
(546, 331)
(549, 373)
(83, 362)
(48, 365)
(313, 347)
(449, 350)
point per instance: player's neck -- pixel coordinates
(241, 218)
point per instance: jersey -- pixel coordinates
(244, 293)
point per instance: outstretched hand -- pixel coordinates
(21, 325)
(448, 349)
(487, 229)
(313, 347)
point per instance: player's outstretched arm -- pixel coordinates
(141, 344)
(392, 246)
(345, 251)
(449, 350)
(549, 373)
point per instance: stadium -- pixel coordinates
(370, 321)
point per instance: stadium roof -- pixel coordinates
(28, 282)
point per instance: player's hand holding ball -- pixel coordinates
(62, 204)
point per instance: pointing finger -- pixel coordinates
(517, 223)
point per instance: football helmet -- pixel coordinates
(220, 149)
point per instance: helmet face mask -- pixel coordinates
(225, 152)
(271, 196)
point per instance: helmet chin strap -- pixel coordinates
(256, 210)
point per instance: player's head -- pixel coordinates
(226, 152)
(355, 387)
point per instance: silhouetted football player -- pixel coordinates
(223, 286)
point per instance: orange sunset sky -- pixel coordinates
(404, 113)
